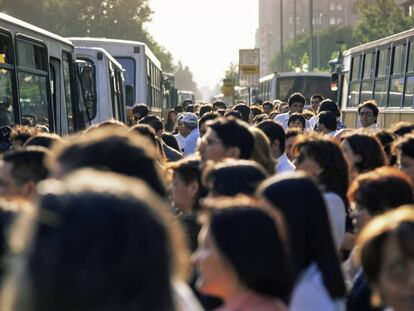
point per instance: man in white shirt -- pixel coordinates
(296, 103)
(277, 138)
(368, 114)
(180, 126)
(190, 123)
(326, 123)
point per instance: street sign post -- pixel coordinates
(249, 67)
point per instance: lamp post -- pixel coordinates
(282, 56)
(311, 39)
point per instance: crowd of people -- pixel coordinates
(266, 207)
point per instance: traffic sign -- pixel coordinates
(249, 67)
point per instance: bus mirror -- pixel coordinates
(129, 95)
(334, 82)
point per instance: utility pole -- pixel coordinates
(294, 19)
(311, 35)
(282, 56)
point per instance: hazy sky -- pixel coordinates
(204, 34)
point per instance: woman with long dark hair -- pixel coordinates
(319, 281)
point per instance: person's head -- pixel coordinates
(363, 152)
(306, 216)
(368, 113)
(206, 108)
(170, 140)
(267, 107)
(297, 120)
(185, 188)
(291, 136)
(296, 103)
(403, 148)
(190, 122)
(202, 122)
(244, 109)
(226, 138)
(322, 159)
(233, 177)
(315, 101)
(45, 140)
(254, 111)
(308, 114)
(283, 107)
(326, 122)
(276, 134)
(155, 122)
(329, 105)
(119, 151)
(219, 105)
(171, 119)
(190, 108)
(100, 241)
(242, 247)
(20, 134)
(262, 152)
(386, 251)
(21, 171)
(186, 103)
(386, 139)
(402, 128)
(139, 111)
(230, 113)
(377, 191)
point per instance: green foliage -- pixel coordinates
(120, 19)
(232, 72)
(377, 19)
(297, 51)
(184, 80)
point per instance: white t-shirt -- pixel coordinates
(284, 164)
(283, 119)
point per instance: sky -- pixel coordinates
(204, 34)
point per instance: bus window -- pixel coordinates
(367, 84)
(32, 74)
(68, 91)
(381, 80)
(6, 81)
(383, 63)
(129, 66)
(397, 76)
(87, 78)
(409, 80)
(354, 88)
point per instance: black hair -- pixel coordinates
(311, 241)
(328, 119)
(233, 113)
(244, 110)
(145, 130)
(45, 140)
(206, 108)
(329, 105)
(274, 131)
(141, 109)
(405, 145)
(152, 121)
(295, 98)
(234, 177)
(297, 116)
(170, 140)
(319, 96)
(207, 117)
(249, 239)
(234, 133)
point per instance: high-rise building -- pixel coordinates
(293, 16)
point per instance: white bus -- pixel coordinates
(37, 78)
(142, 69)
(283, 84)
(105, 97)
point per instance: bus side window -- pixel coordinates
(68, 91)
(33, 81)
(6, 80)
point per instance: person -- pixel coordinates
(291, 136)
(262, 153)
(319, 282)
(322, 159)
(171, 119)
(363, 153)
(403, 148)
(186, 103)
(110, 149)
(368, 114)
(297, 120)
(328, 105)
(156, 123)
(20, 172)
(67, 263)
(230, 113)
(203, 120)
(205, 108)
(386, 138)
(267, 107)
(244, 110)
(386, 254)
(217, 105)
(186, 191)
(326, 123)
(180, 131)
(402, 128)
(20, 134)
(226, 138)
(296, 103)
(233, 177)
(149, 132)
(277, 137)
(254, 112)
(45, 140)
(315, 102)
(190, 132)
(248, 276)
(170, 140)
(139, 111)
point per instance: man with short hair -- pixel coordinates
(315, 101)
(296, 103)
(267, 107)
(326, 123)
(21, 171)
(139, 111)
(244, 110)
(277, 137)
(404, 149)
(368, 114)
(190, 123)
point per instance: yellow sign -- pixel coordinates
(249, 69)
(228, 87)
(2, 58)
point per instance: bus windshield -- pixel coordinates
(307, 85)
(129, 65)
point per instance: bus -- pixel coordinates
(38, 78)
(281, 85)
(105, 98)
(142, 70)
(382, 70)
(185, 95)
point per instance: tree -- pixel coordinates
(184, 80)
(379, 18)
(232, 72)
(120, 19)
(297, 50)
